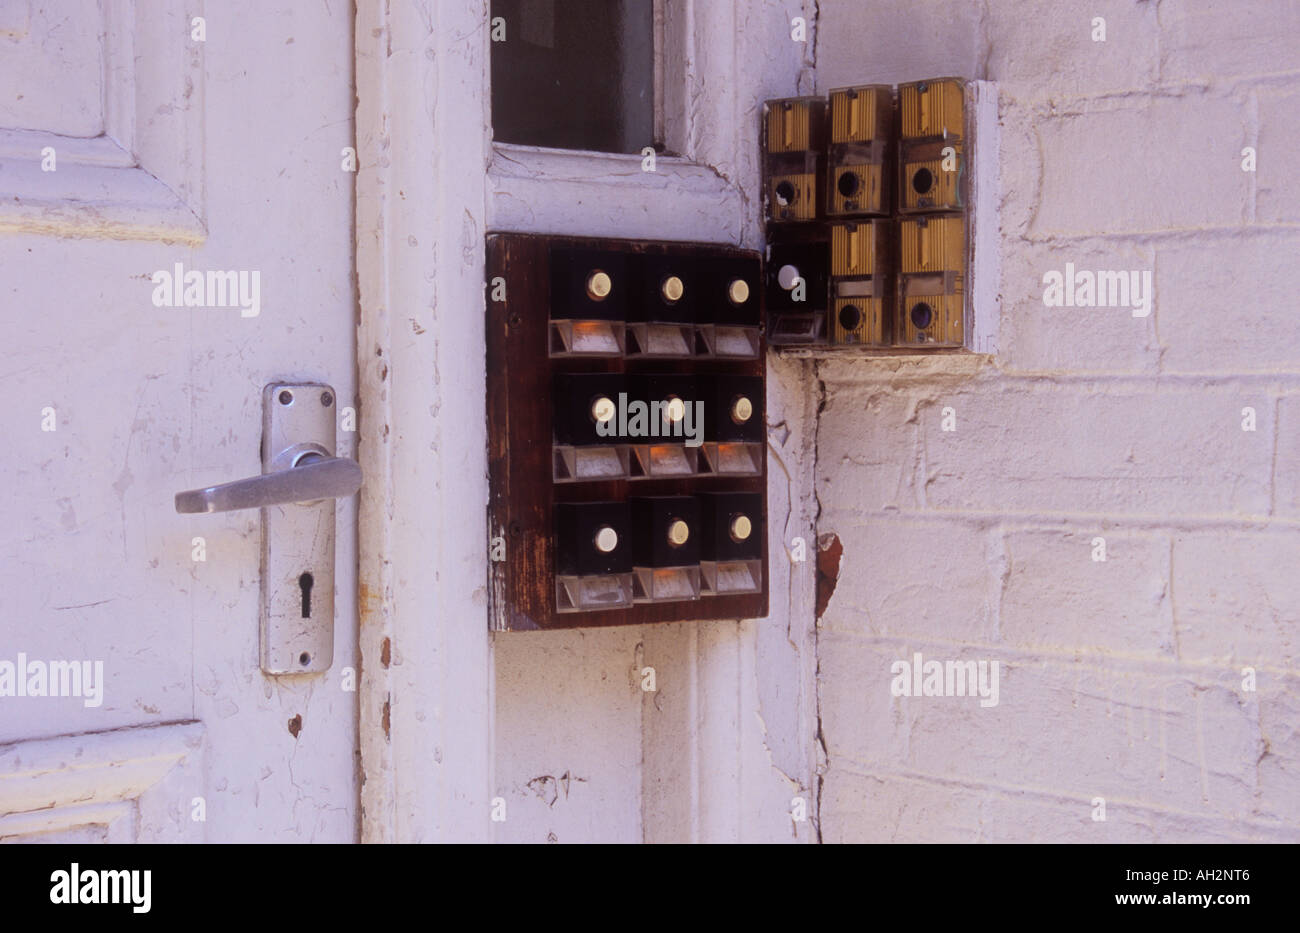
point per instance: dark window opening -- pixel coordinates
(574, 74)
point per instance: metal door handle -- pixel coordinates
(313, 476)
(301, 478)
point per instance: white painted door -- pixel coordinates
(135, 137)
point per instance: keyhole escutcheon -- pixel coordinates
(304, 584)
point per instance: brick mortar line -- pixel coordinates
(1065, 104)
(1088, 522)
(1011, 791)
(1192, 235)
(1102, 662)
(992, 377)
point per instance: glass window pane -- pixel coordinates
(574, 74)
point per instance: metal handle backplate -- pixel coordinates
(301, 478)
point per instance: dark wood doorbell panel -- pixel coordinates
(626, 432)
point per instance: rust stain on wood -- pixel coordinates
(370, 604)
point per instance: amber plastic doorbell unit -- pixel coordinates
(794, 150)
(931, 147)
(859, 182)
(931, 289)
(867, 235)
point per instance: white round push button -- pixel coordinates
(678, 532)
(742, 409)
(606, 539)
(674, 409)
(602, 409)
(738, 292)
(787, 276)
(672, 288)
(599, 285)
(741, 528)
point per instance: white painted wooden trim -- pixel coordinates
(119, 71)
(95, 201)
(536, 190)
(115, 817)
(140, 180)
(19, 145)
(986, 223)
(422, 147)
(47, 785)
(660, 42)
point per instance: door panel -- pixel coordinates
(147, 400)
(51, 52)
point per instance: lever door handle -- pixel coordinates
(313, 477)
(301, 472)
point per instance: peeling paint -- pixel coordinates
(829, 552)
(548, 788)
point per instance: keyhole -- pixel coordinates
(304, 584)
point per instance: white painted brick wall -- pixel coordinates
(1106, 340)
(1054, 593)
(1279, 135)
(1204, 331)
(1204, 41)
(1038, 50)
(1119, 679)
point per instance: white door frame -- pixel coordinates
(426, 675)
(430, 184)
